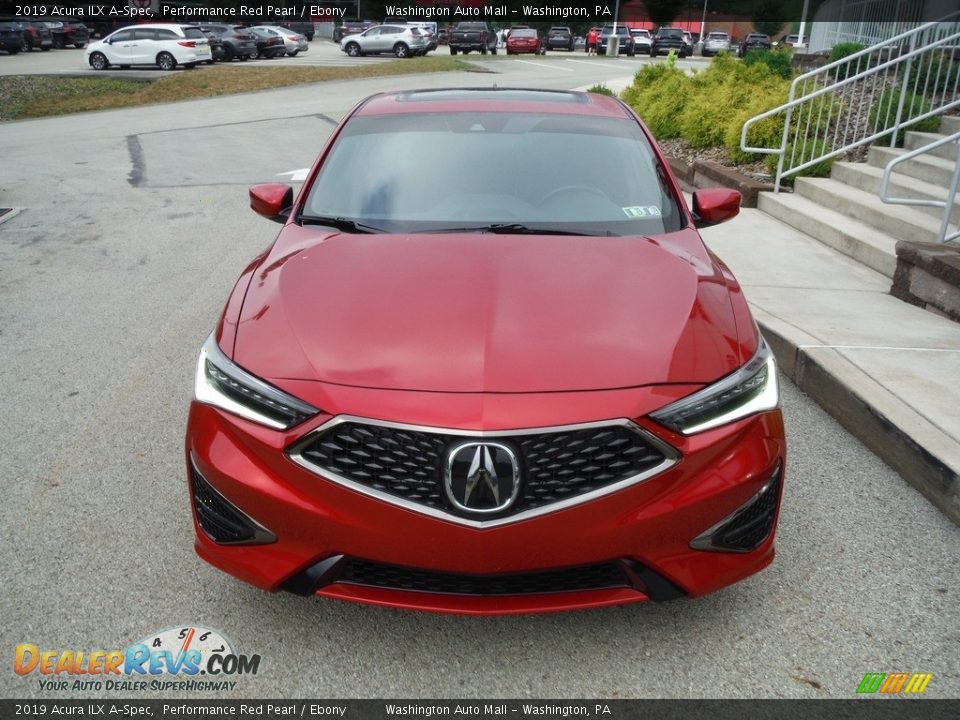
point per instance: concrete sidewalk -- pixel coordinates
(889, 372)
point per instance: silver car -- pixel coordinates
(294, 42)
(716, 42)
(642, 39)
(401, 40)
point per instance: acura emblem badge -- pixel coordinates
(482, 477)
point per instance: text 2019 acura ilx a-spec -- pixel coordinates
(487, 388)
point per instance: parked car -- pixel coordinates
(667, 39)
(790, 41)
(688, 42)
(301, 27)
(401, 40)
(473, 391)
(753, 41)
(293, 42)
(270, 43)
(626, 40)
(525, 40)
(165, 45)
(642, 39)
(352, 27)
(11, 37)
(238, 42)
(560, 38)
(716, 42)
(36, 34)
(68, 33)
(429, 31)
(216, 46)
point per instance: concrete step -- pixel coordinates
(934, 170)
(896, 220)
(914, 140)
(949, 124)
(857, 240)
(867, 178)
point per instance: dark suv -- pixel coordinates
(627, 44)
(467, 36)
(68, 32)
(667, 39)
(11, 37)
(238, 42)
(36, 34)
(753, 41)
(306, 29)
(560, 38)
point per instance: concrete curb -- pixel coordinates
(902, 438)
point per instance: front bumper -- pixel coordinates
(646, 530)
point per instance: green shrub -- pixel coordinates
(884, 112)
(799, 153)
(659, 94)
(933, 73)
(601, 89)
(842, 50)
(777, 60)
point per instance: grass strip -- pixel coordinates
(32, 96)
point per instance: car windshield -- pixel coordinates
(504, 168)
(717, 36)
(523, 33)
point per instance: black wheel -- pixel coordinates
(124, 67)
(210, 62)
(453, 50)
(401, 50)
(494, 51)
(98, 61)
(166, 61)
(653, 53)
(25, 45)
(45, 49)
(353, 50)
(13, 51)
(631, 52)
(483, 50)
(58, 43)
(79, 46)
(228, 53)
(244, 58)
(293, 54)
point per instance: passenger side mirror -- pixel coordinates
(272, 200)
(713, 206)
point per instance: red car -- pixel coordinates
(487, 392)
(524, 40)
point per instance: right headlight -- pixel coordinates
(747, 391)
(224, 384)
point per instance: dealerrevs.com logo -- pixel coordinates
(183, 658)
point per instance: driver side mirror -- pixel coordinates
(272, 200)
(713, 206)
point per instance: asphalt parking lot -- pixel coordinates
(127, 242)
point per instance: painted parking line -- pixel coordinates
(546, 65)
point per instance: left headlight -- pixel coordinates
(224, 384)
(747, 391)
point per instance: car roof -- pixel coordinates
(486, 99)
(158, 26)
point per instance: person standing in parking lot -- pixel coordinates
(592, 35)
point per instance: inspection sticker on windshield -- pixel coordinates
(642, 211)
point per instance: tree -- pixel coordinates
(663, 12)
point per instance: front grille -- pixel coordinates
(408, 463)
(221, 521)
(589, 577)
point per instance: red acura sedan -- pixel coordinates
(525, 40)
(487, 387)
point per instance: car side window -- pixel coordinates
(391, 30)
(372, 32)
(165, 34)
(144, 34)
(122, 36)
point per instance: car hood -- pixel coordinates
(486, 313)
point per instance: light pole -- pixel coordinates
(613, 42)
(703, 25)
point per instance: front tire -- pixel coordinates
(98, 61)
(228, 53)
(293, 54)
(353, 50)
(166, 61)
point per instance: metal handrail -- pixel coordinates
(925, 39)
(947, 204)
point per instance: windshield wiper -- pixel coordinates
(340, 223)
(513, 229)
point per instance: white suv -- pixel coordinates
(163, 45)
